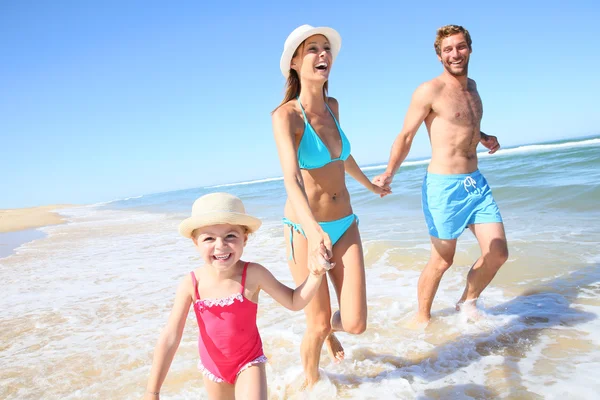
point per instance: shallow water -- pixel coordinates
(82, 307)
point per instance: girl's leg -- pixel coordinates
(348, 279)
(219, 391)
(251, 383)
(318, 312)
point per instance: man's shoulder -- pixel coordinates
(430, 89)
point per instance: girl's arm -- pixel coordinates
(169, 339)
(292, 299)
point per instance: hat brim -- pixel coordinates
(334, 38)
(190, 224)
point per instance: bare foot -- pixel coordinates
(304, 386)
(334, 348)
(469, 309)
(418, 322)
(308, 384)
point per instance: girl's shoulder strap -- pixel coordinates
(195, 283)
(244, 277)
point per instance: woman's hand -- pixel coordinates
(319, 251)
(321, 266)
(381, 189)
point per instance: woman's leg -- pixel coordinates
(251, 383)
(348, 279)
(318, 311)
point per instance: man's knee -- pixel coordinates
(441, 264)
(498, 253)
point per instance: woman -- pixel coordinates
(315, 155)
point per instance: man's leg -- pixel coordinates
(494, 253)
(442, 256)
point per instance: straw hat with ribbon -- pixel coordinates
(216, 209)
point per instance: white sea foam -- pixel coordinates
(538, 148)
(246, 183)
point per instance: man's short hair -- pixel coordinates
(449, 30)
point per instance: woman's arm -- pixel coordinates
(354, 171)
(169, 339)
(350, 164)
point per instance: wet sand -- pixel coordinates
(18, 226)
(19, 219)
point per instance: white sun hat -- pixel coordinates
(299, 35)
(217, 209)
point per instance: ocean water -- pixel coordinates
(83, 306)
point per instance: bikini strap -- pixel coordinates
(244, 277)
(302, 108)
(195, 282)
(292, 227)
(333, 115)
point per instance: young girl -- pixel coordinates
(224, 292)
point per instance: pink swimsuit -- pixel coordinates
(229, 341)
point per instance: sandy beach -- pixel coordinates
(28, 218)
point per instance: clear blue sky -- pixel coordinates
(110, 99)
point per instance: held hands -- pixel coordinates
(319, 253)
(381, 184)
(381, 190)
(321, 266)
(491, 142)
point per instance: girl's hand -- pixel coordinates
(381, 189)
(321, 267)
(319, 249)
(151, 396)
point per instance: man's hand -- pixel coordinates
(383, 181)
(491, 142)
(382, 191)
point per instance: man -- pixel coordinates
(455, 194)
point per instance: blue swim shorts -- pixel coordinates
(452, 202)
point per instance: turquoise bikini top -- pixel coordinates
(312, 152)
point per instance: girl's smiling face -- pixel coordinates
(221, 246)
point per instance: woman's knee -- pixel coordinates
(356, 328)
(319, 329)
(355, 325)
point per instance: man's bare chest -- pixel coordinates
(460, 107)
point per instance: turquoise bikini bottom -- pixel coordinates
(335, 229)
